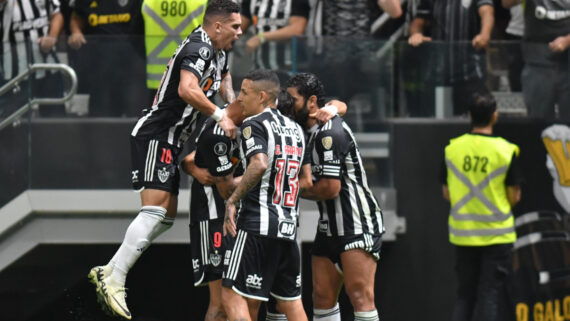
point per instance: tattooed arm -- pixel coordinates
(226, 89)
(252, 176)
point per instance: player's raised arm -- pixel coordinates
(189, 90)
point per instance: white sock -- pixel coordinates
(366, 316)
(332, 314)
(149, 224)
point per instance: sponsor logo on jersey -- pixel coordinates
(285, 131)
(328, 155)
(327, 142)
(227, 257)
(223, 159)
(256, 147)
(249, 143)
(223, 167)
(286, 229)
(163, 175)
(220, 149)
(323, 226)
(95, 20)
(215, 258)
(354, 245)
(205, 53)
(298, 280)
(253, 281)
(135, 177)
(198, 66)
(195, 264)
(247, 132)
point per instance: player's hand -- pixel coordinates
(76, 40)
(559, 44)
(252, 44)
(417, 39)
(228, 126)
(229, 219)
(481, 41)
(202, 175)
(323, 115)
(47, 43)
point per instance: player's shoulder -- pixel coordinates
(199, 41)
(334, 126)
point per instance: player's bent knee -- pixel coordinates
(362, 299)
(324, 299)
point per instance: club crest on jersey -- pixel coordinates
(247, 132)
(215, 259)
(205, 53)
(327, 142)
(163, 175)
(220, 149)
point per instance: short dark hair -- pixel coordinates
(285, 103)
(481, 108)
(268, 81)
(220, 8)
(308, 84)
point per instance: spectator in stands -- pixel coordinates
(514, 32)
(108, 37)
(275, 21)
(466, 27)
(546, 74)
(26, 24)
(347, 17)
(165, 27)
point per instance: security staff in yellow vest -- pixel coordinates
(166, 24)
(481, 179)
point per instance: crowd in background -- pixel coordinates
(447, 47)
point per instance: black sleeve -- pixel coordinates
(443, 172)
(424, 9)
(514, 174)
(196, 57)
(485, 2)
(245, 6)
(300, 8)
(332, 146)
(214, 151)
(254, 139)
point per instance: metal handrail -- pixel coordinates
(44, 101)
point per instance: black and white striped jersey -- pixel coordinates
(23, 22)
(335, 155)
(270, 208)
(270, 15)
(214, 151)
(171, 119)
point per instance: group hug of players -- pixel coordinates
(245, 186)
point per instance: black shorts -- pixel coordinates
(332, 246)
(261, 266)
(208, 246)
(154, 165)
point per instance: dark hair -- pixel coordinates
(265, 80)
(285, 103)
(220, 8)
(481, 108)
(308, 84)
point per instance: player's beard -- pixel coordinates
(302, 115)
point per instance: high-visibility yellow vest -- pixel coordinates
(166, 24)
(480, 212)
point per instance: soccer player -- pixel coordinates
(348, 240)
(196, 72)
(265, 259)
(214, 155)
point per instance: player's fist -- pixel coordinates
(76, 40)
(481, 41)
(417, 39)
(228, 126)
(229, 219)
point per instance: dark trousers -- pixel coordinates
(482, 273)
